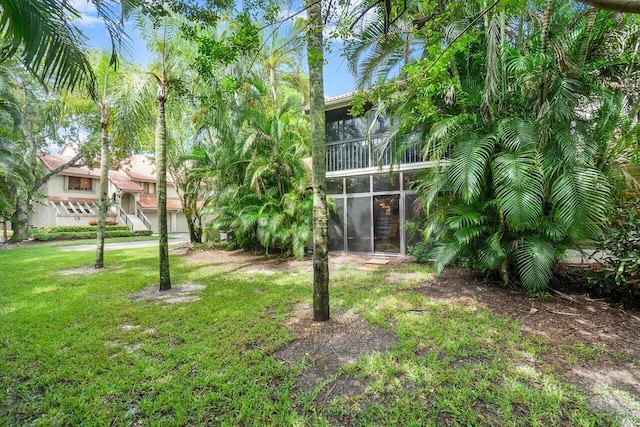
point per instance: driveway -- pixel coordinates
(174, 239)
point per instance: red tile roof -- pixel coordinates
(53, 161)
(151, 202)
(123, 182)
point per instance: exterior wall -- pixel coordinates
(44, 214)
(152, 216)
(177, 222)
(57, 186)
(171, 190)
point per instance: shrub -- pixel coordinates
(94, 222)
(118, 231)
(619, 276)
(77, 228)
(423, 252)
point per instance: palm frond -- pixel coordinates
(580, 199)
(535, 261)
(519, 191)
(468, 167)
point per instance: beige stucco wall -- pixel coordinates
(58, 184)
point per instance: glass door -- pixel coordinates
(386, 223)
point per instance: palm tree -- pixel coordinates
(315, 60)
(519, 178)
(42, 34)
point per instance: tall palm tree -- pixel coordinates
(315, 58)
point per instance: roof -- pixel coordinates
(122, 181)
(151, 202)
(334, 102)
(53, 161)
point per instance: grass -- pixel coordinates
(107, 240)
(76, 350)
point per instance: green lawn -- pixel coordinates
(74, 349)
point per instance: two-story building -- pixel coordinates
(71, 197)
(374, 197)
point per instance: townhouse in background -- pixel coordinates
(72, 196)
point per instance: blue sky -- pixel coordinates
(337, 79)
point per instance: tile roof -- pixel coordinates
(123, 182)
(151, 202)
(53, 161)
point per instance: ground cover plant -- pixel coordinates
(232, 343)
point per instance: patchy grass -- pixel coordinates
(76, 349)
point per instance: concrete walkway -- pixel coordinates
(174, 239)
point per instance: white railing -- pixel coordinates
(124, 217)
(144, 219)
(366, 153)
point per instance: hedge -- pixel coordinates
(78, 228)
(70, 235)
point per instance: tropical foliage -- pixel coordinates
(516, 108)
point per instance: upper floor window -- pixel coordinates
(78, 183)
(149, 187)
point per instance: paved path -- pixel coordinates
(174, 239)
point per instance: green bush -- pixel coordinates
(619, 276)
(423, 252)
(92, 234)
(78, 228)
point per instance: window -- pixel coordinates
(149, 188)
(77, 183)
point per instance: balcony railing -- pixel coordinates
(363, 153)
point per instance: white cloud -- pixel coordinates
(83, 6)
(88, 13)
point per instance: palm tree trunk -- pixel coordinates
(584, 48)
(104, 183)
(315, 59)
(161, 183)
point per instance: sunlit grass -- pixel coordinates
(74, 349)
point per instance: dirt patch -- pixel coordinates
(326, 347)
(85, 270)
(187, 292)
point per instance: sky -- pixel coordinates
(337, 79)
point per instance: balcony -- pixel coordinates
(363, 153)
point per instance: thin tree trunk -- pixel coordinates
(584, 48)
(161, 179)
(317, 116)
(104, 183)
(21, 217)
